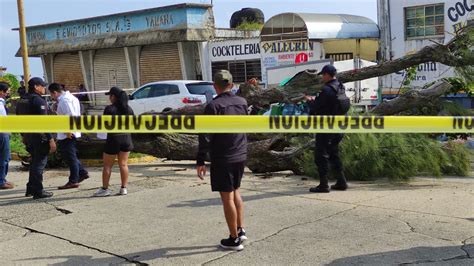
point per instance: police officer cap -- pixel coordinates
(36, 82)
(328, 69)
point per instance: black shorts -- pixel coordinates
(118, 143)
(226, 177)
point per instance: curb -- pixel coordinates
(15, 157)
(99, 162)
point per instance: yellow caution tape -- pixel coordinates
(237, 124)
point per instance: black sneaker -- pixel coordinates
(43, 195)
(319, 189)
(339, 186)
(232, 243)
(242, 234)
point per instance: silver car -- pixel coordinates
(161, 96)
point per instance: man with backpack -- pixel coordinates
(332, 100)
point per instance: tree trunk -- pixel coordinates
(412, 99)
(267, 155)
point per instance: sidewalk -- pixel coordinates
(170, 217)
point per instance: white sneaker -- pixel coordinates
(123, 191)
(101, 192)
(242, 234)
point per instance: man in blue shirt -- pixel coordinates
(4, 140)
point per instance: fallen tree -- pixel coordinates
(271, 153)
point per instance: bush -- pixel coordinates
(17, 146)
(246, 25)
(360, 156)
(459, 159)
(395, 156)
(13, 81)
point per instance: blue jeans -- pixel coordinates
(69, 153)
(4, 156)
(39, 158)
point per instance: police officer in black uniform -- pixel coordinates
(39, 145)
(327, 145)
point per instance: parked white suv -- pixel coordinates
(165, 95)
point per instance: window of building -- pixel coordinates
(424, 21)
(241, 70)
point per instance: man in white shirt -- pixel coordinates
(68, 105)
(4, 140)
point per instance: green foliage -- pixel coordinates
(17, 146)
(410, 75)
(460, 85)
(396, 156)
(407, 155)
(309, 168)
(249, 25)
(459, 159)
(13, 81)
(455, 109)
(466, 73)
(360, 156)
(137, 155)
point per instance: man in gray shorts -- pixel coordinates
(228, 153)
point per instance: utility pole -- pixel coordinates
(23, 43)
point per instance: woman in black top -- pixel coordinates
(117, 144)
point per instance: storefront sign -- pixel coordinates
(425, 73)
(151, 19)
(287, 46)
(243, 49)
(282, 53)
(458, 11)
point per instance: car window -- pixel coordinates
(173, 89)
(201, 88)
(158, 90)
(163, 90)
(142, 93)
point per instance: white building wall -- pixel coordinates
(455, 12)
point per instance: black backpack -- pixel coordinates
(343, 102)
(23, 105)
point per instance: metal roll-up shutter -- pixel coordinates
(67, 70)
(160, 62)
(110, 69)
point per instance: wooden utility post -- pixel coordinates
(23, 43)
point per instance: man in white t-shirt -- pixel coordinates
(68, 105)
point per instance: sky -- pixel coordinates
(48, 11)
